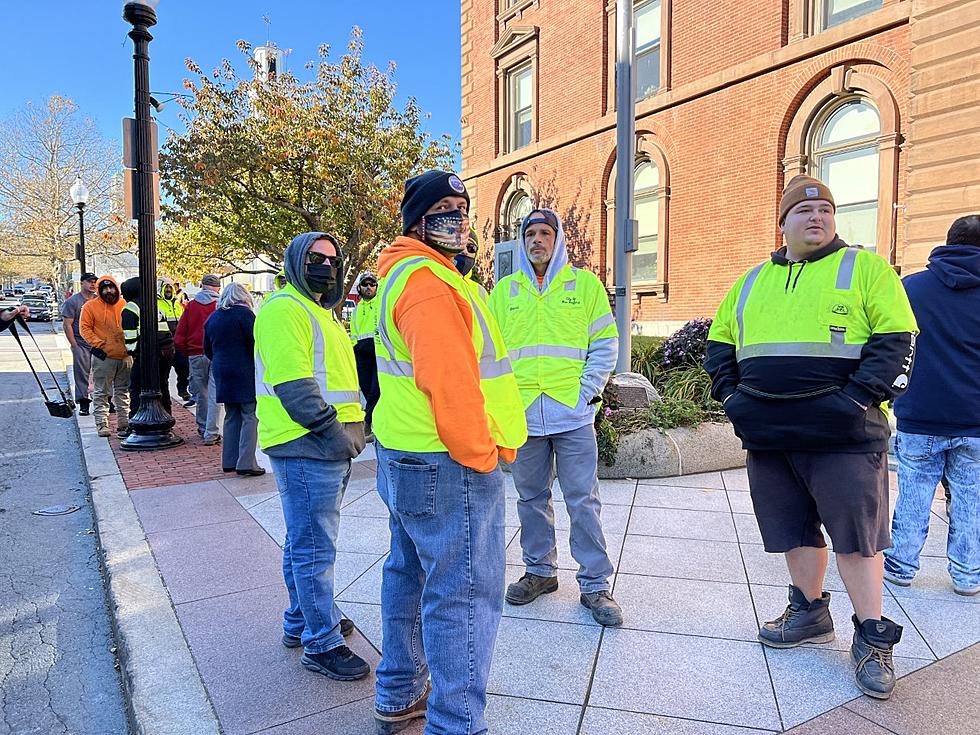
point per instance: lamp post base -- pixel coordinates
(151, 426)
(144, 442)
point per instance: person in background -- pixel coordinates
(100, 324)
(169, 305)
(363, 326)
(939, 415)
(80, 349)
(189, 339)
(131, 322)
(229, 345)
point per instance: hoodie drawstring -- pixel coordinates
(789, 274)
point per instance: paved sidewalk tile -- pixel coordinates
(254, 681)
(705, 480)
(740, 502)
(737, 479)
(694, 607)
(947, 626)
(747, 527)
(549, 661)
(612, 517)
(840, 721)
(239, 486)
(932, 582)
(207, 561)
(356, 718)
(691, 524)
(366, 587)
(683, 558)
(357, 489)
(185, 506)
(617, 492)
(365, 536)
(269, 515)
(684, 498)
(517, 716)
(562, 606)
(614, 542)
(655, 673)
(367, 618)
(599, 721)
(826, 676)
(369, 504)
(770, 569)
(250, 501)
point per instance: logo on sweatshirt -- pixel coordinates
(570, 300)
(840, 309)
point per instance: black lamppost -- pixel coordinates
(79, 195)
(152, 425)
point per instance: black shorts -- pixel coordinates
(793, 493)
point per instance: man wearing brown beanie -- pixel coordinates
(804, 350)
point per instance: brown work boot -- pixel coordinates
(389, 723)
(529, 588)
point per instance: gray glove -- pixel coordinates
(355, 430)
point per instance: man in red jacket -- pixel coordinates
(189, 340)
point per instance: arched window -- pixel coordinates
(518, 208)
(844, 155)
(646, 198)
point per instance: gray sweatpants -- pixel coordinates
(82, 367)
(241, 437)
(577, 458)
(207, 410)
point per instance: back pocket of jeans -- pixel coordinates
(414, 485)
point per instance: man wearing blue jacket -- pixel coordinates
(939, 414)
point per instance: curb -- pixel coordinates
(165, 694)
(651, 453)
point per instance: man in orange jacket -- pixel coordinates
(447, 412)
(101, 326)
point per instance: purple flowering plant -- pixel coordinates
(686, 346)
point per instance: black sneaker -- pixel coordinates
(338, 663)
(83, 407)
(293, 641)
(871, 652)
(605, 610)
(801, 622)
(529, 588)
(389, 723)
(190, 403)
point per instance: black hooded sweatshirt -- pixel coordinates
(130, 290)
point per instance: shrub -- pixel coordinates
(646, 356)
(687, 345)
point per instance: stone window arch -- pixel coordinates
(651, 199)
(848, 126)
(516, 203)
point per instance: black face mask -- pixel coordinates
(321, 277)
(464, 263)
(445, 231)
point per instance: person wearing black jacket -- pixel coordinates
(131, 320)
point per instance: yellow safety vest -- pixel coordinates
(548, 334)
(403, 418)
(131, 336)
(294, 339)
(364, 322)
(170, 309)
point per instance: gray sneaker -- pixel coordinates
(801, 622)
(529, 588)
(389, 723)
(605, 610)
(871, 652)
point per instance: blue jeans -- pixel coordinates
(922, 462)
(311, 491)
(442, 590)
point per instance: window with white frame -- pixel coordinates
(844, 156)
(647, 35)
(646, 198)
(835, 12)
(519, 107)
(517, 209)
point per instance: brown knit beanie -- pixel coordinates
(801, 188)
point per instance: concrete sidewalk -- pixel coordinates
(691, 575)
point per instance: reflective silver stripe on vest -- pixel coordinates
(601, 323)
(560, 351)
(570, 285)
(382, 320)
(515, 288)
(800, 349)
(743, 297)
(399, 368)
(319, 364)
(845, 271)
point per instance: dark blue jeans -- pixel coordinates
(443, 587)
(311, 491)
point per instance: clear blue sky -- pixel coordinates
(80, 49)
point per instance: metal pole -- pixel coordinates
(625, 162)
(152, 424)
(81, 238)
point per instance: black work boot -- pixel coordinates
(389, 723)
(801, 622)
(529, 588)
(338, 663)
(83, 406)
(871, 652)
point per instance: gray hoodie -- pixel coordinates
(547, 416)
(301, 398)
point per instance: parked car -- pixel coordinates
(40, 308)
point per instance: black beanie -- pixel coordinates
(424, 190)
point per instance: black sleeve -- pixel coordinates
(884, 370)
(206, 344)
(722, 366)
(129, 320)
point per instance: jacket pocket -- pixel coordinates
(413, 484)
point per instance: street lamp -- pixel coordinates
(152, 426)
(79, 195)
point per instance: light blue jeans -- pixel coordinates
(442, 590)
(311, 491)
(922, 462)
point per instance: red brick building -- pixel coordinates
(880, 98)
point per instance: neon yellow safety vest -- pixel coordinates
(295, 339)
(548, 334)
(364, 322)
(832, 311)
(403, 418)
(131, 336)
(170, 309)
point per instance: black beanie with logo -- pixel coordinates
(424, 190)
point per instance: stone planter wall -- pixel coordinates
(650, 453)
